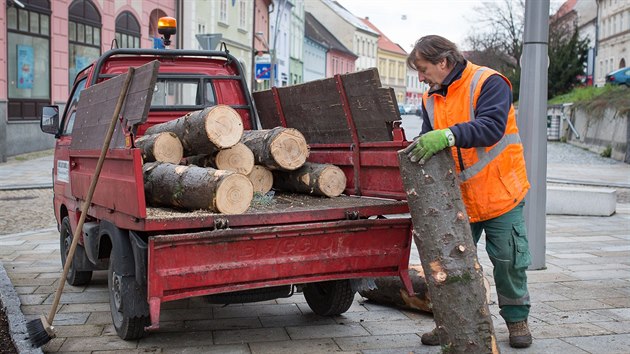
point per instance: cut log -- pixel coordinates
(206, 131)
(278, 148)
(191, 187)
(261, 178)
(238, 158)
(448, 254)
(312, 178)
(391, 291)
(164, 147)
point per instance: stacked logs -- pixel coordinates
(205, 160)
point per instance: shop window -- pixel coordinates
(127, 31)
(28, 59)
(84, 36)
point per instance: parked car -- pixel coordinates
(410, 109)
(619, 77)
(401, 109)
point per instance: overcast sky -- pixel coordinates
(405, 21)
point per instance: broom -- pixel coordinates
(41, 331)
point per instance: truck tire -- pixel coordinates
(329, 298)
(74, 277)
(127, 327)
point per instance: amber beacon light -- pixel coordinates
(167, 26)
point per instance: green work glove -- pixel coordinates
(429, 144)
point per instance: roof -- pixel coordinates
(384, 42)
(314, 30)
(566, 7)
(348, 16)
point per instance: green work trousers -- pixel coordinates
(508, 249)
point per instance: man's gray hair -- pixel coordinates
(434, 48)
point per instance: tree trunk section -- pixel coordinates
(163, 147)
(391, 291)
(448, 254)
(206, 131)
(238, 158)
(191, 187)
(261, 178)
(278, 148)
(312, 178)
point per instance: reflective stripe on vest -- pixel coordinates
(484, 157)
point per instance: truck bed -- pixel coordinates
(282, 208)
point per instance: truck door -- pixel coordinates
(61, 167)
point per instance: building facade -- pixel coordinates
(392, 63)
(339, 59)
(261, 43)
(280, 32)
(44, 44)
(296, 65)
(314, 50)
(613, 42)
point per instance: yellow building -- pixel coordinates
(392, 63)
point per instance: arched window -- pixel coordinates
(28, 59)
(84, 36)
(127, 31)
(622, 63)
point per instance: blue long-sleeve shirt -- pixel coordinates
(491, 111)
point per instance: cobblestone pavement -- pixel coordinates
(25, 210)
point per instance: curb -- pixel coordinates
(17, 322)
(16, 187)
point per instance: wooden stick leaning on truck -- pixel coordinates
(206, 131)
(312, 178)
(238, 158)
(191, 187)
(164, 147)
(278, 148)
(40, 330)
(448, 254)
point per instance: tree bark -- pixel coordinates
(448, 254)
(191, 187)
(278, 148)
(391, 291)
(238, 158)
(261, 178)
(312, 178)
(164, 147)
(206, 131)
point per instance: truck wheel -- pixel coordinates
(329, 298)
(126, 327)
(74, 277)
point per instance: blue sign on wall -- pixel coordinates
(263, 71)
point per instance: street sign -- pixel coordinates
(263, 58)
(263, 71)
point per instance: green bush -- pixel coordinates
(607, 152)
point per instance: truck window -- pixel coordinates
(171, 92)
(71, 110)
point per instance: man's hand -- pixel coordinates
(429, 144)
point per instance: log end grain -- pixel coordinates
(289, 149)
(168, 148)
(261, 178)
(238, 158)
(224, 126)
(332, 181)
(234, 194)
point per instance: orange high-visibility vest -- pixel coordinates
(494, 178)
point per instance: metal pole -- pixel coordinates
(532, 114)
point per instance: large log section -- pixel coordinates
(164, 147)
(205, 131)
(448, 254)
(278, 148)
(238, 158)
(261, 178)
(193, 187)
(312, 178)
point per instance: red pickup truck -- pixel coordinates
(297, 243)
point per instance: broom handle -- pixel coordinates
(88, 199)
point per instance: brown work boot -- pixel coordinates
(520, 337)
(430, 338)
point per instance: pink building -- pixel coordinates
(44, 44)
